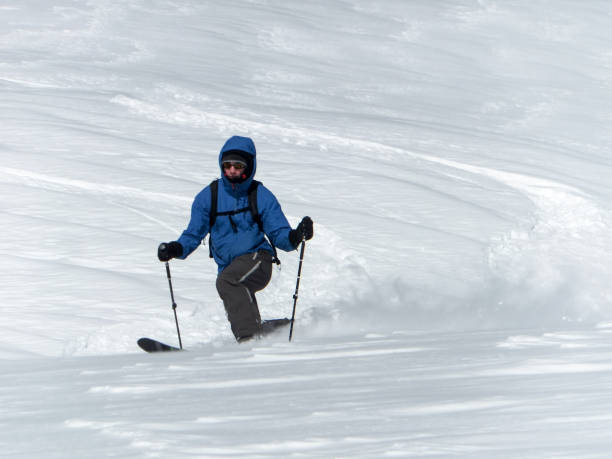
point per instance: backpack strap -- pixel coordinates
(253, 204)
(212, 216)
(257, 216)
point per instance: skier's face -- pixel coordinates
(233, 170)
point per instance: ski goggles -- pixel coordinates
(238, 165)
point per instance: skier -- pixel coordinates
(238, 234)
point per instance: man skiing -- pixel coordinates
(245, 213)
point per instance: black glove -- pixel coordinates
(168, 250)
(303, 231)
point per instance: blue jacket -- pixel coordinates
(227, 242)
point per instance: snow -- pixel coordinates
(455, 301)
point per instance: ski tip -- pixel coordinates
(152, 345)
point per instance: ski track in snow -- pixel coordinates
(68, 185)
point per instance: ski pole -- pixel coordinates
(297, 287)
(173, 304)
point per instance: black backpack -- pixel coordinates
(252, 194)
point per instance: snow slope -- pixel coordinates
(395, 395)
(454, 156)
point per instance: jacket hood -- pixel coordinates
(245, 146)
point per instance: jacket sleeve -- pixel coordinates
(198, 225)
(275, 223)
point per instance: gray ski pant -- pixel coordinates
(237, 285)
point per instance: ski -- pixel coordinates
(269, 326)
(151, 345)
